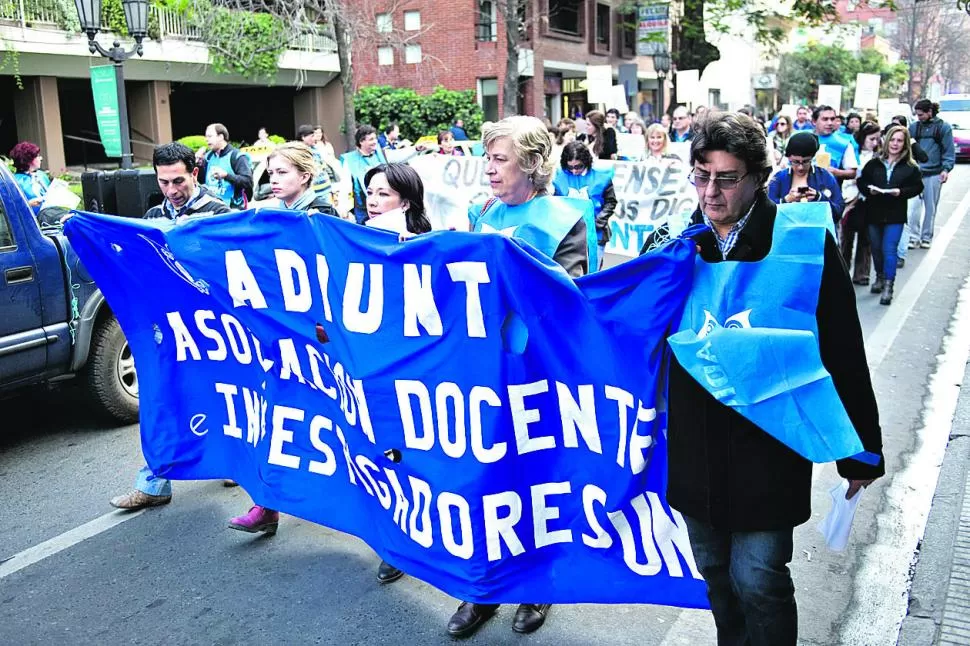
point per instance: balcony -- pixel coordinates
(49, 28)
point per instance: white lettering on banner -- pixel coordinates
(230, 428)
(522, 417)
(657, 542)
(296, 292)
(219, 353)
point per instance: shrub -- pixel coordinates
(193, 141)
(418, 115)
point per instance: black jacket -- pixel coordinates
(321, 204)
(888, 209)
(726, 471)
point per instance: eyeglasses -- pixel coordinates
(701, 180)
(799, 162)
(576, 168)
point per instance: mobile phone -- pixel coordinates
(803, 189)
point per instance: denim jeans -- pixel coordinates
(885, 242)
(601, 255)
(148, 482)
(930, 199)
(748, 583)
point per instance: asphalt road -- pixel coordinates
(178, 575)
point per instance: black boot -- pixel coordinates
(878, 285)
(887, 293)
(530, 617)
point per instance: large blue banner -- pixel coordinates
(480, 419)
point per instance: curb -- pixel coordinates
(934, 561)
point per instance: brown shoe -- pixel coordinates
(135, 499)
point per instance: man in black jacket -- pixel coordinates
(742, 492)
(178, 180)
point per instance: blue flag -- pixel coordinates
(481, 420)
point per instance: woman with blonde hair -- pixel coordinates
(886, 183)
(519, 170)
(658, 143)
(600, 139)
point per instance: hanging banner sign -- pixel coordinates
(653, 25)
(104, 86)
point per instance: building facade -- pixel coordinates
(172, 90)
(462, 45)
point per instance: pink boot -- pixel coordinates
(258, 519)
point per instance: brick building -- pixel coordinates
(461, 45)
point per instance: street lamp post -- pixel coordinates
(136, 16)
(661, 65)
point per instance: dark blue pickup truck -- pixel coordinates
(54, 322)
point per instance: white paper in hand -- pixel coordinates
(835, 527)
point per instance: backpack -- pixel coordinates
(937, 135)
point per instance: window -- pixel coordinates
(486, 22)
(603, 12)
(384, 23)
(6, 236)
(626, 30)
(488, 98)
(566, 16)
(412, 54)
(412, 20)
(385, 55)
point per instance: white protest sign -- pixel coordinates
(618, 99)
(649, 194)
(830, 95)
(689, 88)
(630, 147)
(599, 83)
(866, 91)
(451, 184)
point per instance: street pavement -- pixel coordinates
(72, 571)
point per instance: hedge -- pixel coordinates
(418, 115)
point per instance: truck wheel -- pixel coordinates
(111, 376)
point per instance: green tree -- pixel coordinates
(415, 114)
(801, 72)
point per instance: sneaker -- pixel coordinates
(134, 500)
(925, 244)
(913, 243)
(258, 519)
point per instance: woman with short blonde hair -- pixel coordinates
(531, 145)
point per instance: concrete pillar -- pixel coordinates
(38, 118)
(150, 116)
(323, 106)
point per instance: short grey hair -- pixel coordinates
(530, 142)
(735, 134)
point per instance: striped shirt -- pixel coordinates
(726, 244)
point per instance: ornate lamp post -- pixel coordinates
(136, 15)
(661, 65)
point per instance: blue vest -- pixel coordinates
(358, 165)
(749, 337)
(835, 144)
(543, 222)
(224, 190)
(589, 186)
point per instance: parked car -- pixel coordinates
(961, 144)
(955, 110)
(54, 322)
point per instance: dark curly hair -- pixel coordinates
(23, 155)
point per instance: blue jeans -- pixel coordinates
(884, 239)
(148, 482)
(748, 583)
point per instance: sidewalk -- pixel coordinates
(939, 600)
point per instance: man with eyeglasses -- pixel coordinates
(741, 491)
(680, 129)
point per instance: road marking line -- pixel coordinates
(63, 541)
(881, 585)
(891, 324)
